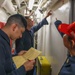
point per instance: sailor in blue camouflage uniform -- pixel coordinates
(68, 67)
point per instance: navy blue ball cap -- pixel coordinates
(57, 22)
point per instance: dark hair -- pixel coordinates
(18, 19)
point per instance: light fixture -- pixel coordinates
(30, 5)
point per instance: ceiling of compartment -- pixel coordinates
(26, 6)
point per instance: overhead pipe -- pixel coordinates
(9, 7)
(1, 2)
(18, 2)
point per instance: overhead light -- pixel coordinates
(30, 5)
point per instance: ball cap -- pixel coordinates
(68, 29)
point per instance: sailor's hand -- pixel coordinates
(48, 14)
(29, 65)
(22, 52)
